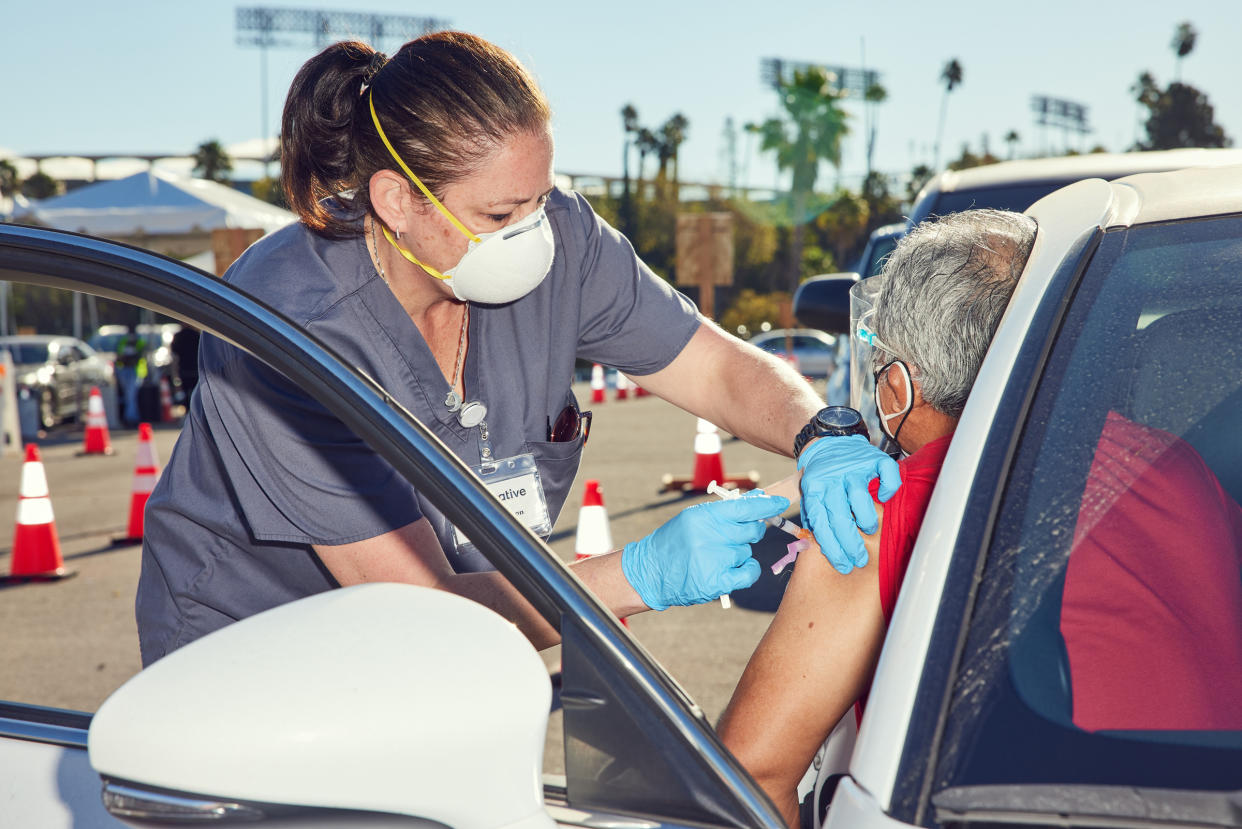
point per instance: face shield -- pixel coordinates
(868, 354)
(863, 298)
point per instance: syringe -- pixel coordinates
(777, 521)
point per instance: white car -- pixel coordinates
(1129, 305)
(57, 373)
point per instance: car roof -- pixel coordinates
(1184, 194)
(1150, 198)
(781, 332)
(34, 338)
(1072, 168)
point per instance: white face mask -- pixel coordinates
(497, 267)
(909, 396)
(506, 264)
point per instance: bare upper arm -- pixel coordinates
(410, 554)
(814, 661)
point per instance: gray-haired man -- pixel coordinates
(943, 292)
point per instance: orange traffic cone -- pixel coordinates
(166, 412)
(597, 383)
(146, 473)
(36, 547)
(96, 441)
(708, 465)
(623, 387)
(594, 538)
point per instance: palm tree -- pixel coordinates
(672, 135)
(647, 144)
(810, 131)
(212, 162)
(875, 94)
(951, 76)
(1183, 44)
(629, 123)
(1012, 138)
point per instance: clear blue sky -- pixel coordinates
(165, 76)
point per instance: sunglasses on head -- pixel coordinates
(568, 425)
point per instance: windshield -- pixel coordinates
(1016, 197)
(1105, 646)
(876, 254)
(25, 354)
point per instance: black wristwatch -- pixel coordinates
(834, 421)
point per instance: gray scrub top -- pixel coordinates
(261, 471)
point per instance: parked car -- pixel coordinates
(57, 372)
(814, 351)
(335, 710)
(1016, 185)
(879, 245)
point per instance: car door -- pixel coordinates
(636, 746)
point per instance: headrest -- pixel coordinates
(1188, 362)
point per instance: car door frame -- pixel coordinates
(672, 722)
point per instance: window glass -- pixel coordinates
(27, 353)
(879, 254)
(811, 344)
(1106, 640)
(1016, 197)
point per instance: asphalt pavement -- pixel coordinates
(70, 643)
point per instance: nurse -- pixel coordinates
(434, 253)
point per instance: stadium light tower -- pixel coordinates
(1069, 116)
(847, 79)
(265, 26)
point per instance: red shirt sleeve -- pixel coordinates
(903, 516)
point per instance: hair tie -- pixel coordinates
(378, 59)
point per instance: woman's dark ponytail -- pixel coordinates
(317, 156)
(446, 101)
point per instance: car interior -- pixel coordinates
(1149, 342)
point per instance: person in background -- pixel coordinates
(131, 369)
(185, 351)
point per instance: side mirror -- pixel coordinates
(379, 698)
(823, 302)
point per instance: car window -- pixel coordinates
(27, 353)
(811, 344)
(1105, 645)
(1016, 197)
(878, 254)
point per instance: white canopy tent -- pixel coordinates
(156, 209)
(153, 203)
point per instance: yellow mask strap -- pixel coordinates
(430, 270)
(413, 178)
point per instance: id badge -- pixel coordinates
(515, 482)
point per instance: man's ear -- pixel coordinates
(896, 383)
(390, 199)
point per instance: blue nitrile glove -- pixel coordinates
(835, 474)
(701, 553)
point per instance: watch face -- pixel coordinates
(839, 417)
